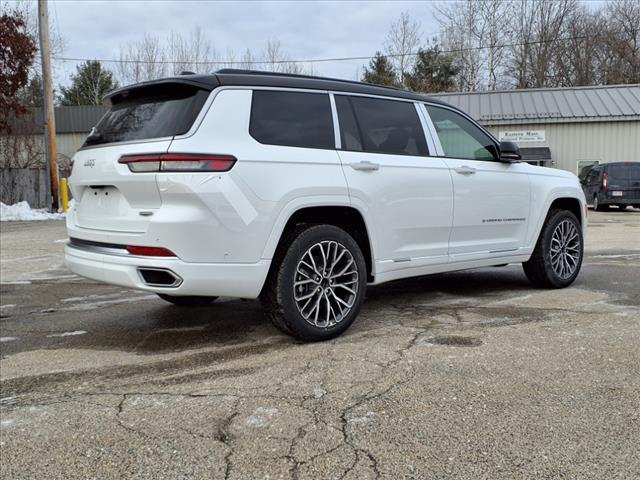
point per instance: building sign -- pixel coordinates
(522, 136)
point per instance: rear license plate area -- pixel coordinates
(101, 202)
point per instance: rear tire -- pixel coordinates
(622, 207)
(316, 284)
(188, 301)
(557, 257)
(597, 206)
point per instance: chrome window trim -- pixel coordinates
(336, 124)
(426, 130)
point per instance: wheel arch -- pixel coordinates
(347, 217)
(562, 201)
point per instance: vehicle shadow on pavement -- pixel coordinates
(153, 326)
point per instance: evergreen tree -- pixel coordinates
(380, 72)
(88, 86)
(433, 71)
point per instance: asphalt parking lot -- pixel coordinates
(468, 375)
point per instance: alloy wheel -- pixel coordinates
(565, 249)
(325, 286)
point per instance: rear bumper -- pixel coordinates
(619, 201)
(242, 280)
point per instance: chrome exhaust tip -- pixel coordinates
(159, 277)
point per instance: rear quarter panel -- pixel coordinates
(239, 216)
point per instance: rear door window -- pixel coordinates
(624, 172)
(377, 125)
(294, 119)
(155, 111)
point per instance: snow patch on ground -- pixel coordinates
(21, 211)
(68, 334)
(8, 339)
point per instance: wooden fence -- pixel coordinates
(30, 184)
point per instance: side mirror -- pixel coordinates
(509, 152)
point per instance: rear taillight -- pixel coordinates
(605, 181)
(178, 162)
(150, 251)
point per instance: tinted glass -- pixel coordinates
(382, 126)
(153, 112)
(349, 131)
(459, 137)
(292, 119)
(624, 172)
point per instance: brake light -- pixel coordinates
(605, 181)
(178, 162)
(150, 251)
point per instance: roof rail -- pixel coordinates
(239, 71)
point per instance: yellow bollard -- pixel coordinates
(64, 191)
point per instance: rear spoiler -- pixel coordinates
(204, 82)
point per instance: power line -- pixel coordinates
(326, 60)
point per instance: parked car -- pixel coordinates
(615, 184)
(303, 191)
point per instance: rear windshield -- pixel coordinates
(624, 172)
(152, 112)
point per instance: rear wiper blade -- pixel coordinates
(94, 137)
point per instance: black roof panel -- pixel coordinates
(256, 78)
(285, 80)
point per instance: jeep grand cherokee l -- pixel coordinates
(303, 191)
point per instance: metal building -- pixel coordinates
(568, 128)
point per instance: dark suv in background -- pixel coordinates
(612, 184)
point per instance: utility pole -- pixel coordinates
(49, 114)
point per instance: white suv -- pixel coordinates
(302, 191)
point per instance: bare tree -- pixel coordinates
(493, 35)
(142, 60)
(402, 43)
(277, 60)
(463, 34)
(623, 42)
(578, 56)
(28, 10)
(193, 53)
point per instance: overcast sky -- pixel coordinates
(96, 29)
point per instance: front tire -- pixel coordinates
(557, 257)
(317, 283)
(188, 301)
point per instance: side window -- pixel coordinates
(350, 136)
(459, 137)
(293, 119)
(380, 126)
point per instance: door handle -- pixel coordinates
(365, 166)
(465, 170)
